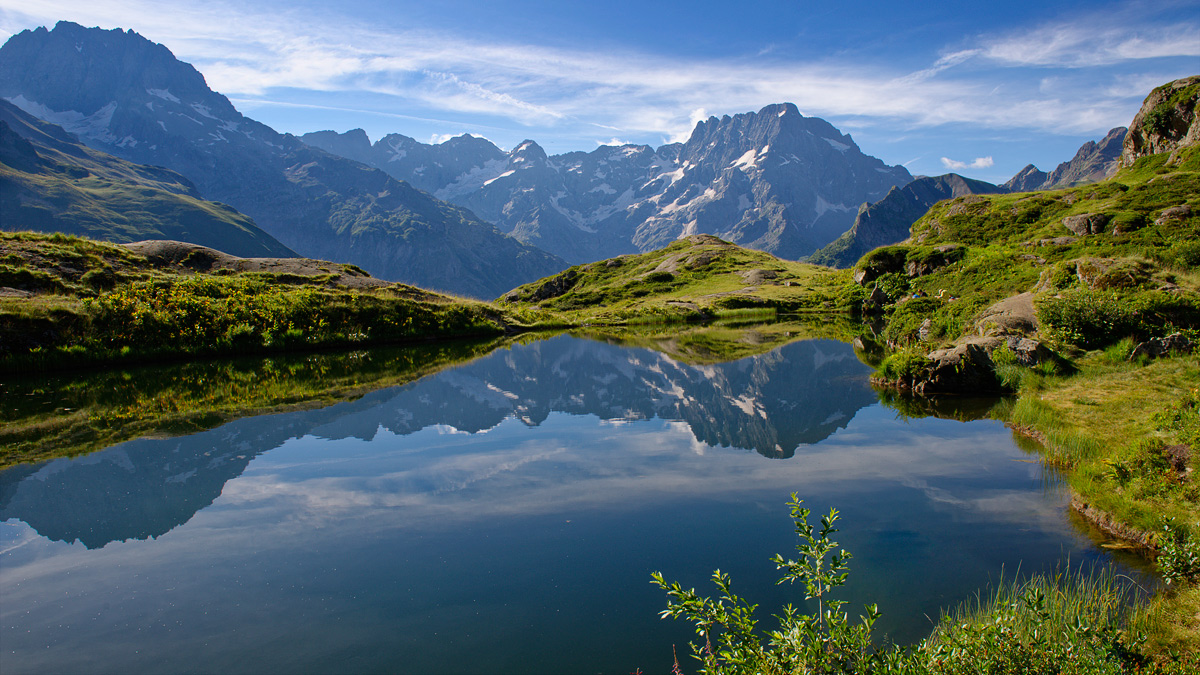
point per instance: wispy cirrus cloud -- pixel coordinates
(254, 55)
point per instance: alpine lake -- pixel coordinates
(492, 507)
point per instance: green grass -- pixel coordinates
(693, 279)
(99, 303)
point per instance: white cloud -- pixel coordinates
(255, 54)
(615, 142)
(1096, 41)
(977, 163)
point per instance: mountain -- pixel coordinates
(888, 220)
(125, 95)
(50, 182)
(1093, 162)
(773, 180)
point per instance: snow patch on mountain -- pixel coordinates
(476, 178)
(164, 94)
(94, 126)
(840, 147)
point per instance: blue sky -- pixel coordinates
(981, 88)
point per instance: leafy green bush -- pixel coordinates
(903, 365)
(1087, 318)
(894, 285)
(1178, 553)
(906, 320)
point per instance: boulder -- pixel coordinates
(1014, 315)
(964, 369)
(1086, 223)
(1029, 352)
(1174, 213)
(1175, 343)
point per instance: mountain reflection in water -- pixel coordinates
(502, 515)
(772, 403)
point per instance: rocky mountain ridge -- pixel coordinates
(1094, 162)
(50, 182)
(773, 180)
(125, 95)
(888, 220)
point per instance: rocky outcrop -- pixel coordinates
(1011, 316)
(1087, 223)
(1166, 122)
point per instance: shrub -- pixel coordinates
(826, 641)
(1087, 318)
(1178, 554)
(904, 365)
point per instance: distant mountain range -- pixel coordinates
(127, 96)
(888, 220)
(774, 180)
(50, 182)
(438, 216)
(1094, 162)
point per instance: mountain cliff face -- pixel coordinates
(125, 95)
(1093, 162)
(1166, 121)
(773, 180)
(888, 220)
(50, 182)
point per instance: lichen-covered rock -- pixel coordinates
(1029, 352)
(1014, 315)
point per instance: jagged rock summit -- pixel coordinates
(127, 96)
(773, 180)
(1093, 162)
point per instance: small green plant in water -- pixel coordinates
(825, 642)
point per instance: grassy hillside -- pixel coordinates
(1139, 253)
(50, 182)
(69, 300)
(694, 278)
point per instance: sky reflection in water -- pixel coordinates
(504, 516)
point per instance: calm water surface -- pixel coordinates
(505, 516)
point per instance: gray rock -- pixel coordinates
(964, 369)
(1014, 315)
(1086, 223)
(1172, 214)
(1175, 343)
(1029, 352)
